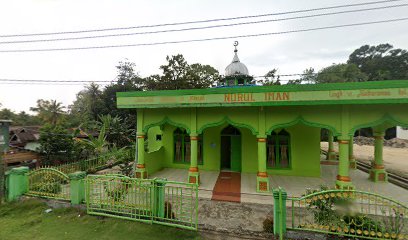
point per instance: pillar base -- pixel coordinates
(141, 171)
(194, 177)
(262, 182)
(378, 175)
(344, 182)
(352, 163)
(331, 156)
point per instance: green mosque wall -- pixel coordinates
(304, 145)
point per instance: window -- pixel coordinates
(182, 147)
(278, 154)
(158, 137)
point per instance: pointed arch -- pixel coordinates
(386, 118)
(168, 121)
(226, 120)
(301, 120)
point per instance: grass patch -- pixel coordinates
(27, 220)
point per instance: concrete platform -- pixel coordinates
(295, 186)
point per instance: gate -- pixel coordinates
(48, 183)
(349, 213)
(147, 200)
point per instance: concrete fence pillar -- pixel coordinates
(161, 208)
(77, 187)
(16, 183)
(279, 212)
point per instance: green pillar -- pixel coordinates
(16, 183)
(331, 154)
(141, 171)
(193, 174)
(377, 171)
(262, 180)
(160, 210)
(279, 212)
(352, 160)
(343, 178)
(77, 187)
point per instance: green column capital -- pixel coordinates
(18, 171)
(193, 136)
(140, 134)
(261, 136)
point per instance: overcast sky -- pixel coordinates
(290, 53)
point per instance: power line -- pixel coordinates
(203, 39)
(51, 82)
(199, 21)
(204, 27)
(43, 80)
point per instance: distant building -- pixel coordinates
(25, 137)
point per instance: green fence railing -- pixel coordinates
(147, 200)
(348, 213)
(93, 164)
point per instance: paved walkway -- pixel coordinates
(295, 186)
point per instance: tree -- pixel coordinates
(340, 73)
(381, 62)
(24, 119)
(87, 106)
(56, 144)
(270, 78)
(6, 113)
(20, 119)
(49, 111)
(178, 74)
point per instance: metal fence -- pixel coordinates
(48, 183)
(93, 164)
(348, 213)
(148, 200)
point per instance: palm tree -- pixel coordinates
(49, 111)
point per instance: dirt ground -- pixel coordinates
(395, 159)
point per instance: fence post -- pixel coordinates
(77, 187)
(16, 183)
(279, 212)
(159, 197)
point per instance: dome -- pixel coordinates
(236, 67)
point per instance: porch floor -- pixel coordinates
(295, 186)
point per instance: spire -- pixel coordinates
(235, 59)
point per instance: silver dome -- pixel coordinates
(236, 67)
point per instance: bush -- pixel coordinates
(268, 224)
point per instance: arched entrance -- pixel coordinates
(231, 149)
